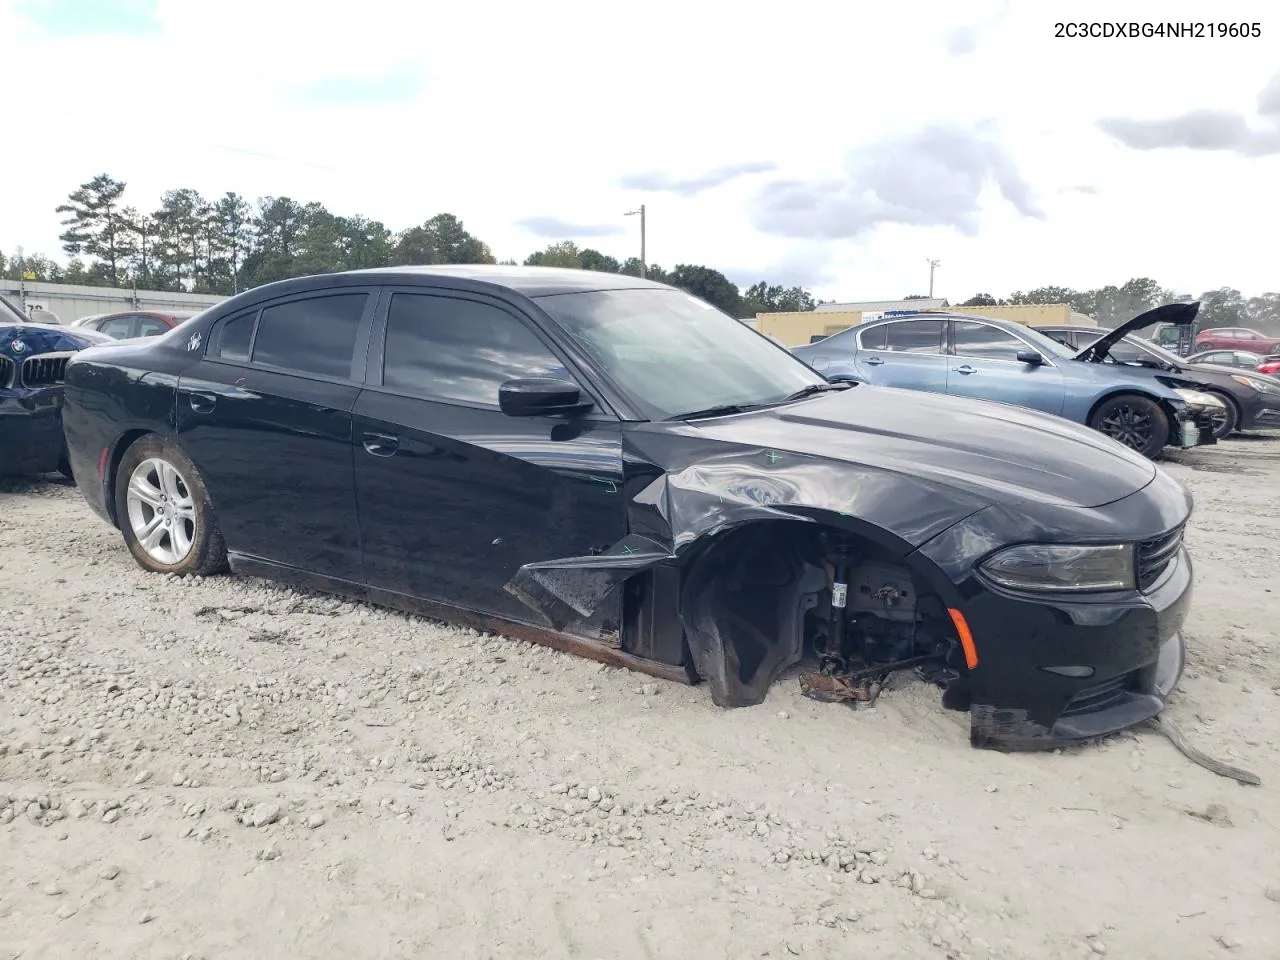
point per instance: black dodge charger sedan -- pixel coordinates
(613, 467)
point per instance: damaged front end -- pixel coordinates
(752, 563)
(33, 364)
(31, 438)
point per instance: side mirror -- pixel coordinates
(541, 397)
(1030, 356)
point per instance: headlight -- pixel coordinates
(1260, 385)
(1200, 399)
(1059, 568)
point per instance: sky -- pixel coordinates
(803, 143)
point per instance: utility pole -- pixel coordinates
(631, 213)
(933, 265)
(22, 281)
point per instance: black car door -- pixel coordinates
(454, 495)
(266, 417)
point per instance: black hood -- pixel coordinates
(1213, 372)
(1179, 314)
(984, 451)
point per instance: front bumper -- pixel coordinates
(31, 438)
(1262, 411)
(1062, 670)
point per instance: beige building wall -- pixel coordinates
(796, 329)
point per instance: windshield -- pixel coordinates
(1133, 349)
(1155, 349)
(673, 354)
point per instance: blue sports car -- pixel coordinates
(988, 359)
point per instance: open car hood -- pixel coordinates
(1179, 314)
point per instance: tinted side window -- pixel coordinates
(151, 327)
(316, 335)
(460, 349)
(117, 327)
(983, 342)
(914, 336)
(235, 335)
(874, 338)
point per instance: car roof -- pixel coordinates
(943, 315)
(530, 281)
(159, 314)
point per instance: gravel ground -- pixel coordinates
(225, 769)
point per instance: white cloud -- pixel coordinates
(526, 114)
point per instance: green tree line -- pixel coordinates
(229, 244)
(1112, 305)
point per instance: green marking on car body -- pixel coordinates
(611, 486)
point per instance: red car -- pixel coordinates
(1236, 338)
(1270, 365)
(134, 323)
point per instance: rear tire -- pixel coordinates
(164, 511)
(1134, 420)
(64, 468)
(1228, 425)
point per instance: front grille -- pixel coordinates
(1154, 557)
(1093, 699)
(44, 371)
(6, 372)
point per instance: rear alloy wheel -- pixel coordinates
(1134, 420)
(164, 511)
(1225, 424)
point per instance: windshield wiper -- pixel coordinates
(721, 411)
(817, 388)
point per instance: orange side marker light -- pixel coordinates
(966, 637)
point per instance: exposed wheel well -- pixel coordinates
(758, 594)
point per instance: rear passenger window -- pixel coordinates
(873, 339)
(460, 349)
(316, 335)
(914, 336)
(235, 335)
(118, 327)
(151, 327)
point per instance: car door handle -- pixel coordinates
(873, 361)
(965, 369)
(381, 444)
(202, 402)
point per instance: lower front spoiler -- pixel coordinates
(994, 728)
